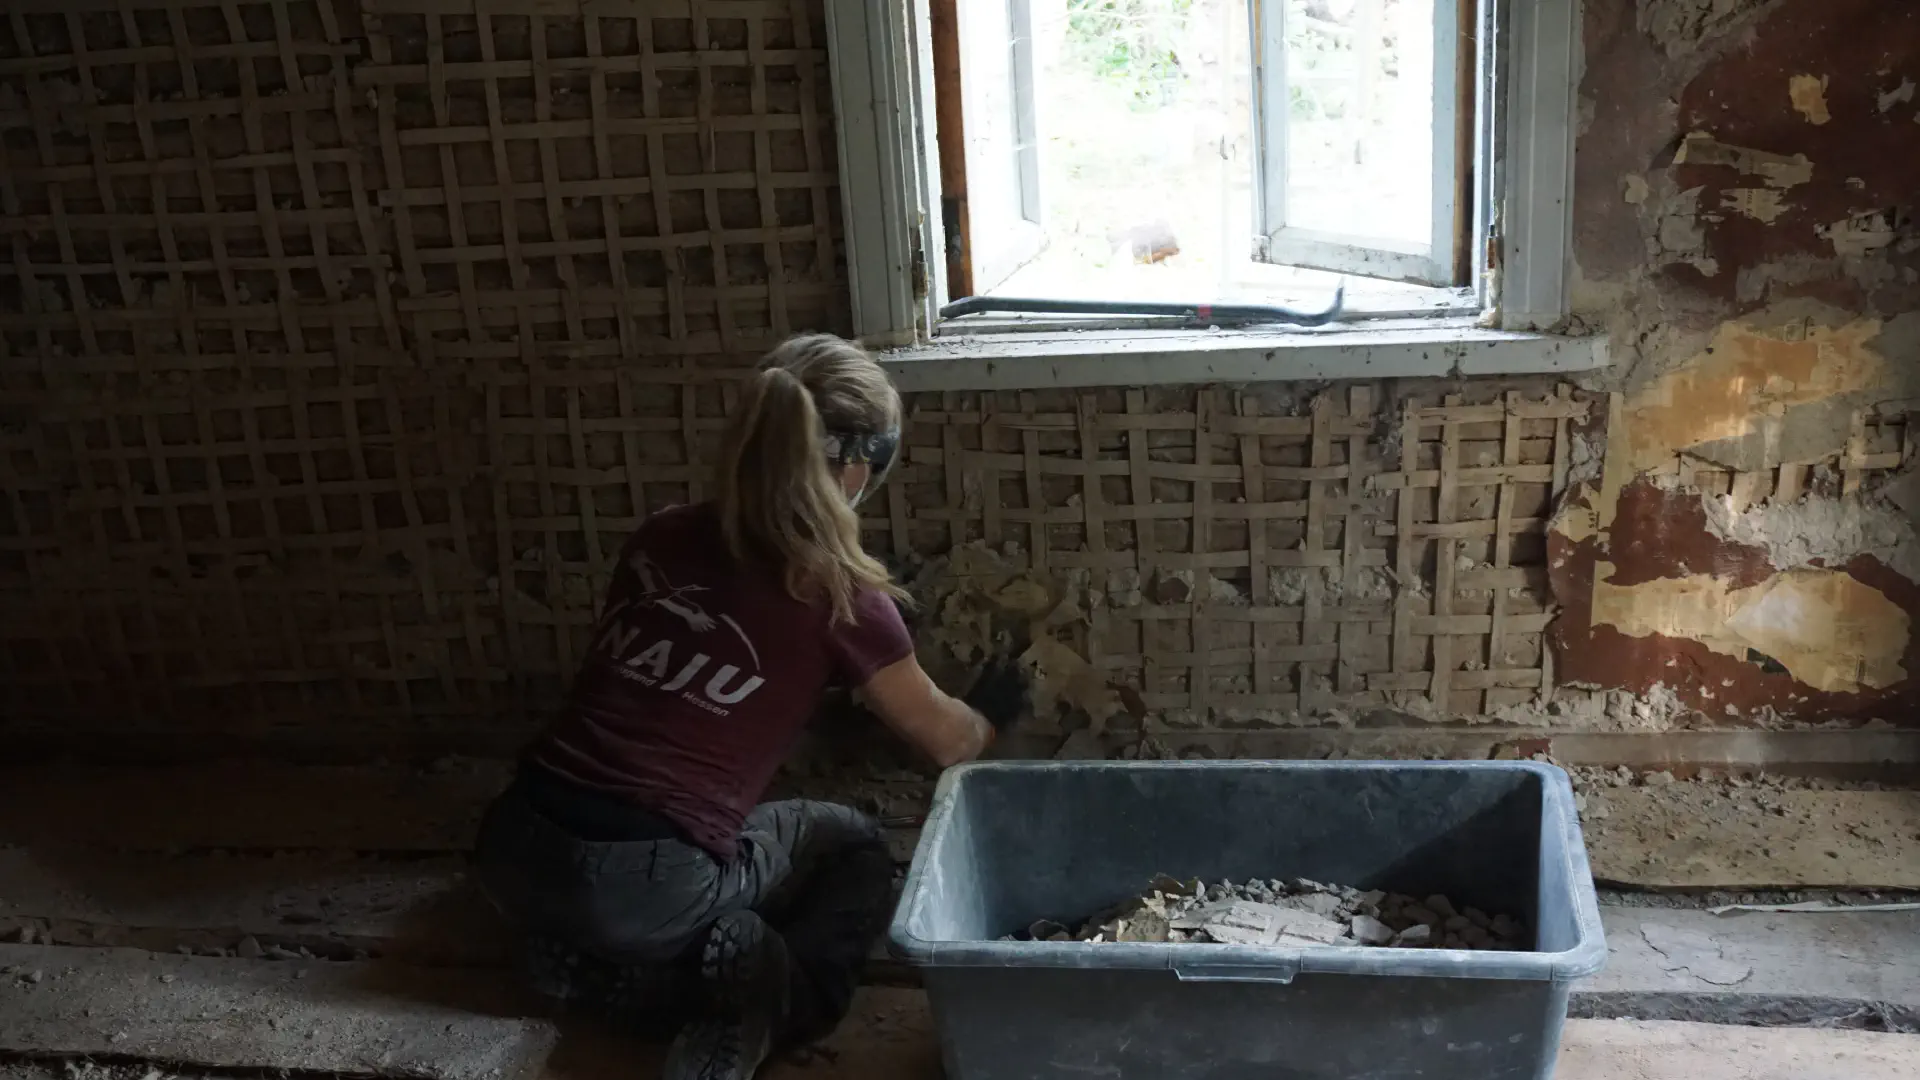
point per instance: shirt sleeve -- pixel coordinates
(876, 638)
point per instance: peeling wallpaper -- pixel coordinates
(1744, 229)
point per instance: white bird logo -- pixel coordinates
(658, 590)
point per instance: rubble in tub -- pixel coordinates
(1287, 913)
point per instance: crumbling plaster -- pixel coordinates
(1744, 235)
(1745, 243)
(1742, 239)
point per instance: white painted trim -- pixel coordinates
(1160, 357)
(1543, 63)
(873, 54)
(1488, 175)
(880, 61)
(932, 233)
(1428, 260)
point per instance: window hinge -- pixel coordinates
(918, 271)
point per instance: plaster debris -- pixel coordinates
(1659, 708)
(1123, 588)
(1062, 676)
(1288, 584)
(1299, 913)
(1899, 95)
(1586, 456)
(1368, 930)
(1777, 170)
(1814, 531)
(1633, 188)
(1359, 583)
(1809, 96)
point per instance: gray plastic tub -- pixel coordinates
(1008, 843)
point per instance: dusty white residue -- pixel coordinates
(1896, 96)
(1815, 529)
(1858, 235)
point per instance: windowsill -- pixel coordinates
(1376, 349)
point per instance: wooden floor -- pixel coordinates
(229, 917)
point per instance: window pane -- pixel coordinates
(1149, 169)
(1360, 126)
(1142, 124)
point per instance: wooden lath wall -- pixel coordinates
(1261, 553)
(341, 344)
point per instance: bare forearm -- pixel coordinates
(945, 728)
(961, 736)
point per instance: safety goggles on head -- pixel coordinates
(874, 449)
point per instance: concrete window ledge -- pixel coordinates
(1374, 350)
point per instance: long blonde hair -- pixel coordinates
(780, 501)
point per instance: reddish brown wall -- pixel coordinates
(1763, 303)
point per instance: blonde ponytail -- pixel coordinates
(780, 502)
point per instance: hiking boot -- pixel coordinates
(743, 966)
(718, 1050)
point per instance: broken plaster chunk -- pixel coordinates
(1417, 934)
(1143, 925)
(1044, 930)
(1368, 930)
(1320, 903)
(1246, 922)
(1440, 906)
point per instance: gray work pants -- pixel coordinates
(618, 926)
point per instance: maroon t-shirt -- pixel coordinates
(701, 674)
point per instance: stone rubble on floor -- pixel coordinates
(1300, 912)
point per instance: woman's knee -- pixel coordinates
(811, 827)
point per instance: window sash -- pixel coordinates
(1004, 228)
(1290, 243)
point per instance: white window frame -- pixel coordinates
(880, 59)
(1023, 234)
(1286, 244)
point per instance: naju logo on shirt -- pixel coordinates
(727, 685)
